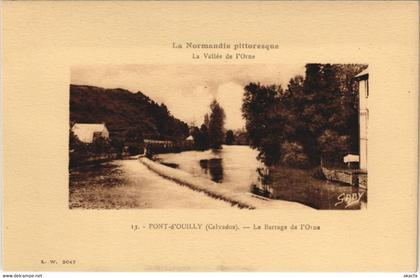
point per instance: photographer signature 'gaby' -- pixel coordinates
(349, 199)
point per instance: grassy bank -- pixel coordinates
(300, 185)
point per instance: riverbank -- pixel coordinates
(214, 190)
(300, 185)
(234, 168)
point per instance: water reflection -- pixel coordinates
(216, 151)
(234, 168)
(303, 186)
(213, 166)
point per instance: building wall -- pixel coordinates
(105, 133)
(87, 132)
(363, 122)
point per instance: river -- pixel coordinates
(233, 167)
(130, 184)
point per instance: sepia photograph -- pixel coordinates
(219, 136)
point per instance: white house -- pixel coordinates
(87, 132)
(363, 79)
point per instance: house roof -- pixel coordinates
(363, 75)
(85, 131)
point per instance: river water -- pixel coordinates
(235, 168)
(130, 184)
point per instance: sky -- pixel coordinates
(187, 89)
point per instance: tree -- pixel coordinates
(195, 133)
(216, 125)
(326, 99)
(134, 140)
(206, 120)
(99, 146)
(78, 150)
(262, 111)
(74, 142)
(117, 144)
(349, 102)
(315, 117)
(241, 137)
(293, 155)
(230, 139)
(204, 133)
(201, 137)
(333, 146)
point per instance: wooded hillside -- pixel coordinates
(123, 110)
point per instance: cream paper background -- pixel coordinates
(42, 40)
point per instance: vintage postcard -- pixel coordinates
(210, 136)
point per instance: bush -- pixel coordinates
(333, 147)
(293, 155)
(134, 149)
(318, 174)
(99, 146)
(78, 151)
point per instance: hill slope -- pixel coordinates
(121, 110)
